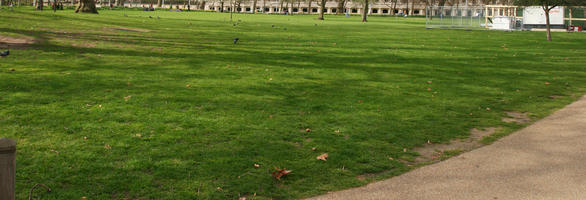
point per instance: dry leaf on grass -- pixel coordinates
(280, 173)
(256, 165)
(323, 157)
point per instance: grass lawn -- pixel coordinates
(112, 107)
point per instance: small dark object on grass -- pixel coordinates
(158, 17)
(125, 15)
(5, 53)
(273, 26)
(30, 194)
(315, 24)
(151, 17)
(235, 40)
(12, 69)
(284, 28)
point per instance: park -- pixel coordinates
(134, 104)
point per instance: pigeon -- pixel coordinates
(150, 16)
(7, 52)
(273, 26)
(235, 40)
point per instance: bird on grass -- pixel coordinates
(158, 17)
(151, 17)
(125, 15)
(5, 53)
(235, 40)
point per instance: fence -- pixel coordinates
(483, 17)
(455, 17)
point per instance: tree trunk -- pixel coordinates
(394, 7)
(340, 6)
(254, 7)
(309, 9)
(40, 5)
(87, 6)
(321, 10)
(222, 6)
(412, 7)
(365, 11)
(202, 5)
(548, 30)
(159, 3)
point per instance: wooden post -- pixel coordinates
(7, 168)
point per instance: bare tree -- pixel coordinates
(87, 6)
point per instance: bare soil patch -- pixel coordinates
(15, 42)
(517, 117)
(434, 152)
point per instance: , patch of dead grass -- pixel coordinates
(517, 117)
(16, 42)
(433, 152)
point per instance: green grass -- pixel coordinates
(207, 110)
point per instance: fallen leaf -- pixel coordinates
(100, 106)
(219, 188)
(271, 116)
(307, 130)
(487, 108)
(390, 158)
(404, 149)
(270, 79)
(138, 135)
(323, 157)
(429, 82)
(188, 85)
(428, 142)
(107, 146)
(546, 83)
(242, 198)
(84, 138)
(280, 173)
(126, 98)
(313, 149)
(256, 165)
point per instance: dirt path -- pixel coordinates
(546, 160)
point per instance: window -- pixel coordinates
(295, 10)
(354, 10)
(314, 10)
(334, 10)
(304, 9)
(416, 12)
(385, 11)
(248, 9)
(267, 9)
(374, 10)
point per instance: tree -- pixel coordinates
(87, 6)
(365, 9)
(159, 3)
(322, 7)
(341, 6)
(547, 5)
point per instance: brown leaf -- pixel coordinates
(314, 148)
(107, 146)
(323, 157)
(429, 82)
(307, 130)
(546, 83)
(404, 149)
(188, 85)
(256, 165)
(390, 158)
(126, 98)
(280, 173)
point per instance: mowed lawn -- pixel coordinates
(113, 107)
